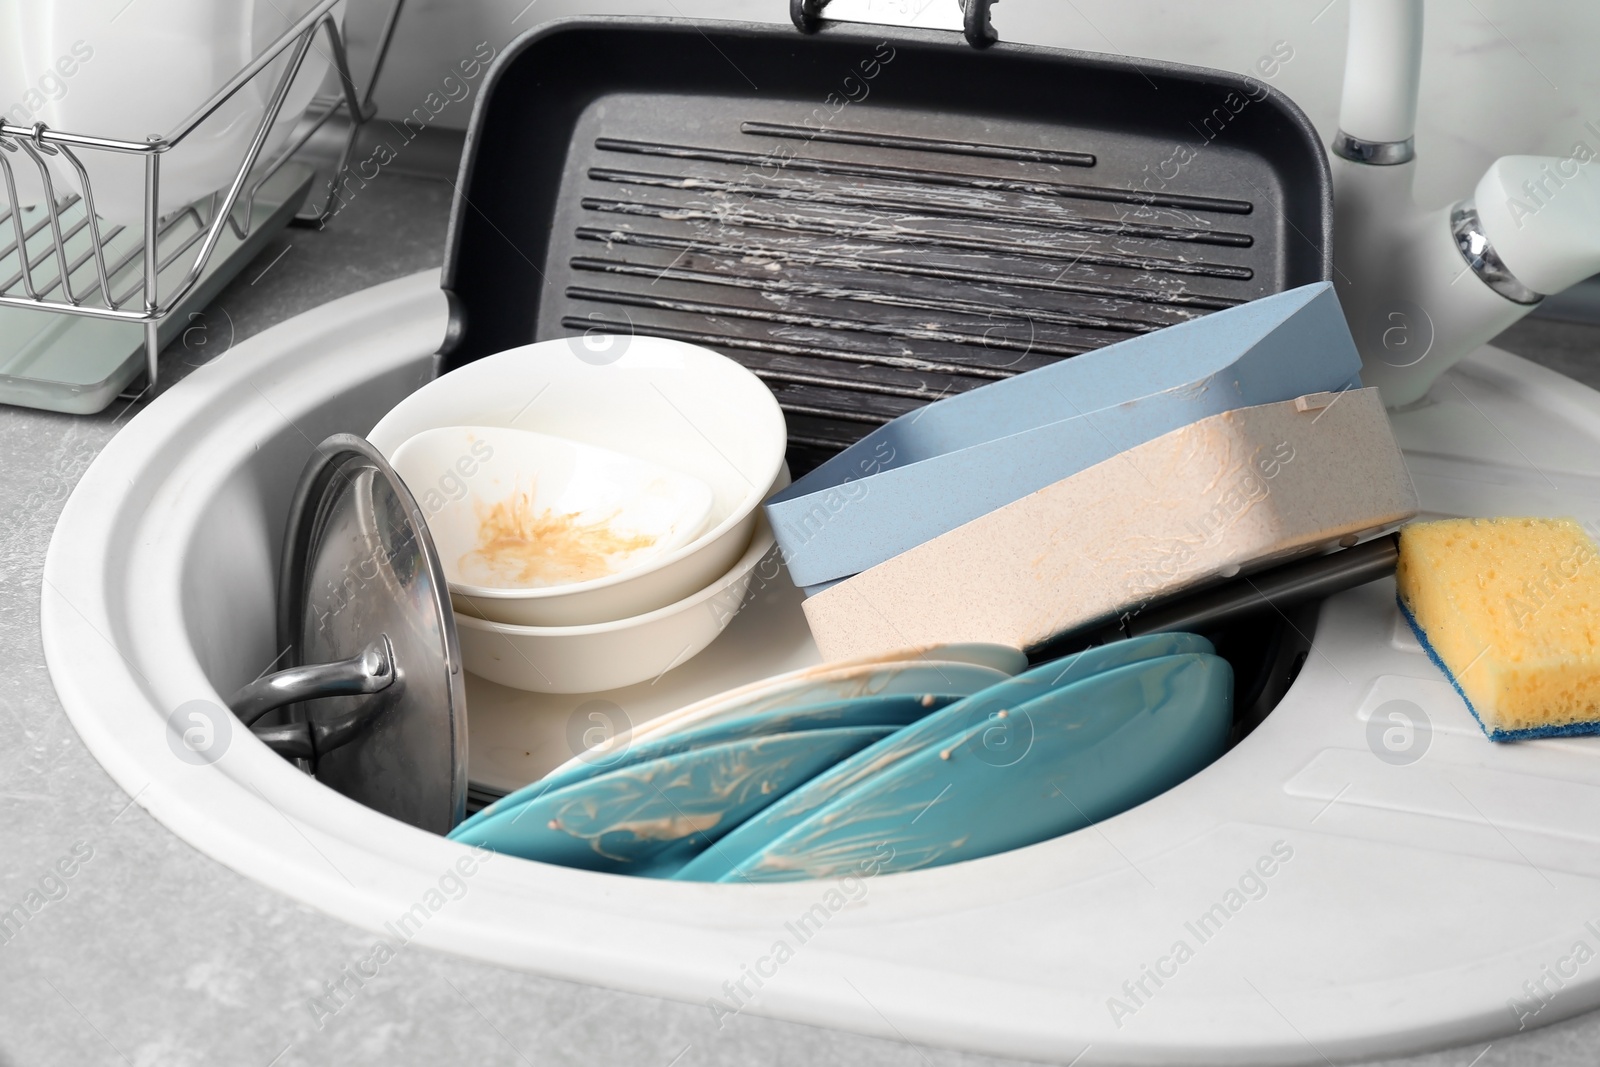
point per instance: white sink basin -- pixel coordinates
(1412, 903)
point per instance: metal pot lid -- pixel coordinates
(362, 582)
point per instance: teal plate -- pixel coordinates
(1094, 748)
(864, 711)
(827, 683)
(982, 708)
(649, 817)
(896, 710)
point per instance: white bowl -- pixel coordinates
(609, 655)
(513, 509)
(666, 402)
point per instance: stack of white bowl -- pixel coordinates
(653, 459)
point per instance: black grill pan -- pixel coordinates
(868, 218)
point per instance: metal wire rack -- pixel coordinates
(57, 257)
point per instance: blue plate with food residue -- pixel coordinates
(649, 817)
(987, 708)
(1092, 749)
(897, 710)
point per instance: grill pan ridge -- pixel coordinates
(867, 218)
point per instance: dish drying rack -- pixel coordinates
(58, 257)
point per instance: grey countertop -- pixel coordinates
(153, 954)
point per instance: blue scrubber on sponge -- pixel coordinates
(1510, 610)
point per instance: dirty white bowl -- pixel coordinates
(609, 655)
(512, 509)
(666, 402)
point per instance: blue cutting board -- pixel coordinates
(948, 463)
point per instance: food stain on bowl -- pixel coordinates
(518, 515)
(519, 546)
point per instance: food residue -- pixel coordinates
(520, 547)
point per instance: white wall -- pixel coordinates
(1499, 76)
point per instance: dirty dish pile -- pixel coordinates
(598, 519)
(931, 761)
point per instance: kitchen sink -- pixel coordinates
(1370, 935)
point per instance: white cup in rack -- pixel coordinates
(126, 70)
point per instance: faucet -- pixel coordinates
(1422, 288)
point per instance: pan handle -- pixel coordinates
(371, 670)
(976, 26)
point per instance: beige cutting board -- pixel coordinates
(1230, 493)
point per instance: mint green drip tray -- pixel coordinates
(77, 364)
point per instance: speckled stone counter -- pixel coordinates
(133, 948)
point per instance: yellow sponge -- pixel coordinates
(1510, 609)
